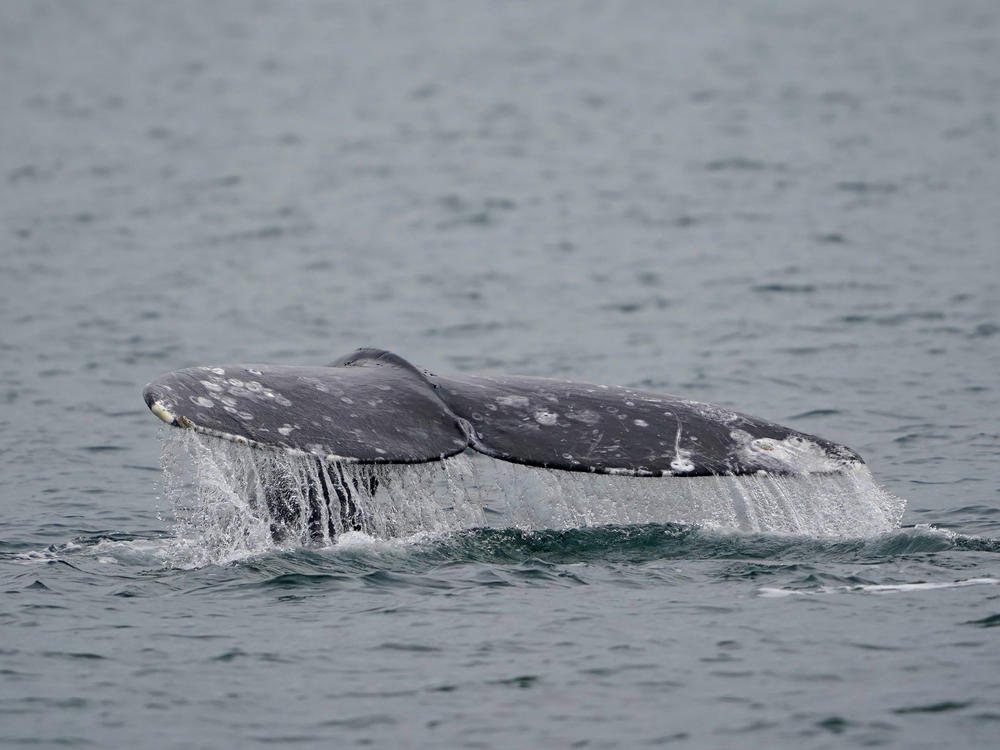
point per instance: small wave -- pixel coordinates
(634, 544)
(356, 552)
(660, 555)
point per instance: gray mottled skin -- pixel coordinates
(370, 412)
(372, 406)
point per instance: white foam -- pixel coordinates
(104, 551)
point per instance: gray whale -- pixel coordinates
(373, 407)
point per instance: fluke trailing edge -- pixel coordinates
(373, 406)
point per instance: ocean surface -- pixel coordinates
(788, 208)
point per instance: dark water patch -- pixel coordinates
(667, 739)
(359, 722)
(794, 577)
(466, 212)
(971, 511)
(894, 319)
(86, 655)
(37, 740)
(474, 328)
(740, 164)
(267, 232)
(521, 681)
(41, 607)
(913, 437)
(784, 288)
(490, 577)
(419, 648)
(961, 480)
(286, 739)
(230, 655)
(634, 306)
(52, 703)
(130, 592)
(753, 726)
(875, 647)
(194, 636)
(622, 668)
(812, 414)
(985, 330)
(867, 188)
(934, 708)
(298, 580)
(993, 621)
(385, 580)
(801, 351)
(537, 573)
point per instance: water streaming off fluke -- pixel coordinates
(230, 500)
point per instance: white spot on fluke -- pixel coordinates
(681, 462)
(586, 416)
(547, 418)
(512, 400)
(162, 412)
(793, 454)
(682, 465)
(207, 403)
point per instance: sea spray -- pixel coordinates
(230, 500)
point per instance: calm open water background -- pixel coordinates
(789, 208)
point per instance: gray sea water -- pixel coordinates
(789, 208)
